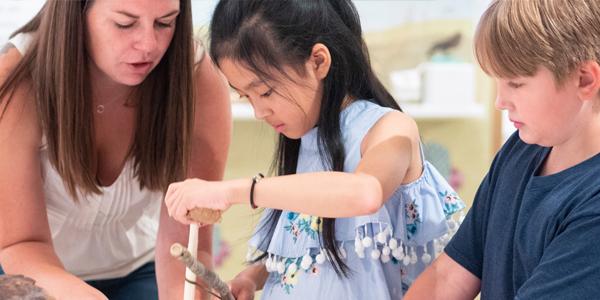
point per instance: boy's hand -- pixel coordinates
(184, 196)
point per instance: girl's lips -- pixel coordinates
(279, 128)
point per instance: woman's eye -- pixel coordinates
(124, 26)
(165, 25)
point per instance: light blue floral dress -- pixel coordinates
(385, 251)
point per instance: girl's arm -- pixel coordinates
(25, 239)
(389, 158)
(250, 280)
(212, 134)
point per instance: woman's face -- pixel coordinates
(127, 39)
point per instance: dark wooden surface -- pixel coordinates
(19, 287)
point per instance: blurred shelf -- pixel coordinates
(243, 111)
(422, 111)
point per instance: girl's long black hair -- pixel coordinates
(267, 35)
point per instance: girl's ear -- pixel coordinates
(320, 60)
(589, 80)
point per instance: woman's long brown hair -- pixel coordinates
(56, 64)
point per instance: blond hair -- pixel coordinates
(515, 37)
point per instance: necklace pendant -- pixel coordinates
(99, 108)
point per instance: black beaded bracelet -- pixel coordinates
(255, 179)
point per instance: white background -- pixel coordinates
(375, 14)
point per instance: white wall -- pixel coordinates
(14, 14)
(375, 14)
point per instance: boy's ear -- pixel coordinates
(320, 60)
(589, 80)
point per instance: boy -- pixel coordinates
(533, 229)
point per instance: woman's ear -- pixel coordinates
(320, 60)
(589, 80)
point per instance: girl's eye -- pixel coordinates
(268, 93)
(124, 26)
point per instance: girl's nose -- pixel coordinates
(261, 112)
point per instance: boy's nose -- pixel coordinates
(502, 101)
(499, 103)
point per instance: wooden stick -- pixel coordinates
(189, 290)
(204, 215)
(21, 287)
(211, 279)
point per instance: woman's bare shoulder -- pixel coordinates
(9, 58)
(18, 114)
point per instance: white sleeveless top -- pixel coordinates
(101, 236)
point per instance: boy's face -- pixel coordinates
(544, 113)
(290, 105)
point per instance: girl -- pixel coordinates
(356, 212)
(101, 108)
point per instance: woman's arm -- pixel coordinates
(212, 134)
(25, 240)
(388, 160)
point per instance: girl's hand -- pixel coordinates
(242, 288)
(186, 195)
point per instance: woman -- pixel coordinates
(104, 103)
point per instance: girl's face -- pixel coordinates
(290, 104)
(544, 113)
(127, 39)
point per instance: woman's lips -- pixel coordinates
(141, 67)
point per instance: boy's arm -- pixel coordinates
(456, 273)
(444, 279)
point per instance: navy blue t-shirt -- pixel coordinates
(529, 236)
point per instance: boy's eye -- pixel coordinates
(515, 85)
(267, 93)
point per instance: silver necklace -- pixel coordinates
(100, 108)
